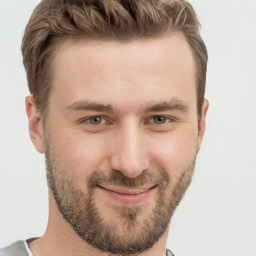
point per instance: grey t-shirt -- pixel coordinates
(19, 249)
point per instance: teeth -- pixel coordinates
(124, 191)
(141, 192)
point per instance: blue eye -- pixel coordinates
(160, 119)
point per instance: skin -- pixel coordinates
(131, 77)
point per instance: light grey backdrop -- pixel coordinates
(217, 216)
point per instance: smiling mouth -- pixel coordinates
(127, 191)
(127, 196)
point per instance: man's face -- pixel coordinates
(121, 138)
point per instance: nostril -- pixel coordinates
(132, 172)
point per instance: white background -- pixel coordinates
(217, 217)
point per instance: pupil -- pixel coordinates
(159, 119)
(95, 120)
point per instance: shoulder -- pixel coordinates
(16, 249)
(168, 253)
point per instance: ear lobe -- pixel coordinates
(202, 124)
(35, 124)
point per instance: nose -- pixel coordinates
(130, 153)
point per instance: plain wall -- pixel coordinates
(217, 215)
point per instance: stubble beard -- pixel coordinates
(129, 234)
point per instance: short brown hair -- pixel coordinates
(55, 21)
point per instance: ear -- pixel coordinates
(35, 124)
(202, 124)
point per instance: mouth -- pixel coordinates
(127, 196)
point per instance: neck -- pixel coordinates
(61, 240)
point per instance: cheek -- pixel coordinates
(79, 155)
(175, 152)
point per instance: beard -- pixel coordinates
(132, 230)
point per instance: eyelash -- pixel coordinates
(165, 117)
(86, 120)
(91, 117)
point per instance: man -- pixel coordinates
(117, 106)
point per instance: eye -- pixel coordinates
(160, 120)
(96, 120)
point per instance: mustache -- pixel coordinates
(117, 178)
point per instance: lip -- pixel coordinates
(127, 196)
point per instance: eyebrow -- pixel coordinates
(173, 104)
(86, 105)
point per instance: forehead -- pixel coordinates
(118, 72)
